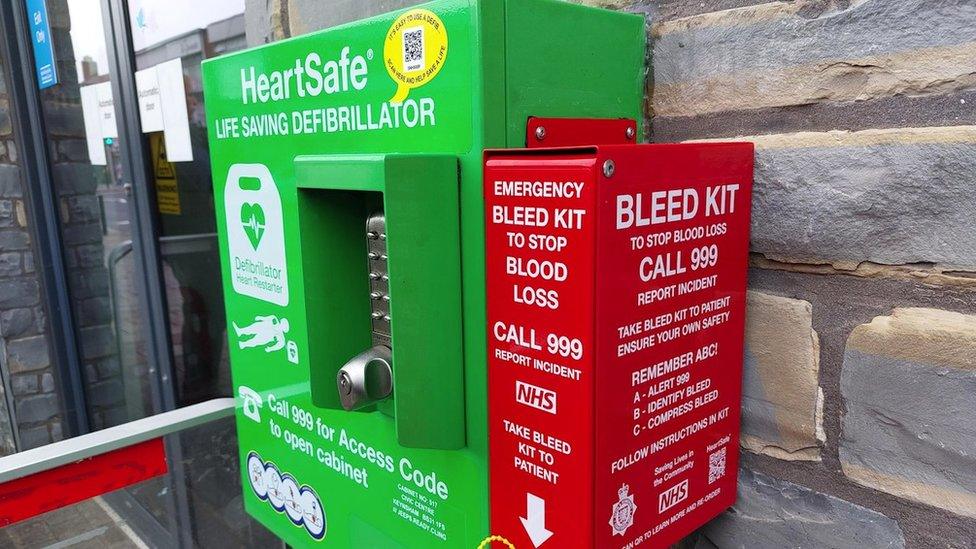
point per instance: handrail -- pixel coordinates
(75, 449)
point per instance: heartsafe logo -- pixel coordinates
(252, 217)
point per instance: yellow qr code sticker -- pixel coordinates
(414, 51)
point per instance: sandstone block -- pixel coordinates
(892, 196)
(793, 53)
(909, 385)
(782, 400)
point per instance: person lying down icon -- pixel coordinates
(268, 331)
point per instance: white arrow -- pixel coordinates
(535, 520)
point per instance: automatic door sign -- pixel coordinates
(283, 492)
(255, 234)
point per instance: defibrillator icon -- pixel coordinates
(255, 234)
(622, 516)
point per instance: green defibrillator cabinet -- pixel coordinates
(347, 168)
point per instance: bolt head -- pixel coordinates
(630, 132)
(540, 133)
(608, 168)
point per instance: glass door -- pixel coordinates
(125, 267)
(169, 41)
(100, 234)
(171, 38)
(94, 195)
(116, 146)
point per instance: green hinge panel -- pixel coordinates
(570, 61)
(419, 195)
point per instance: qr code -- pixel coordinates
(716, 465)
(413, 49)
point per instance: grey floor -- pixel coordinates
(83, 525)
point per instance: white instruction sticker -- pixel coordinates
(255, 234)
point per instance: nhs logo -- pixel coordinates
(672, 496)
(535, 397)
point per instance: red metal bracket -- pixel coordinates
(39, 493)
(56, 475)
(574, 132)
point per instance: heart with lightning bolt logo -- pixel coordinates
(252, 217)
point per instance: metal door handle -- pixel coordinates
(366, 379)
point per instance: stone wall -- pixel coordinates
(858, 418)
(859, 424)
(25, 361)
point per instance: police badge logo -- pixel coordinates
(622, 516)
